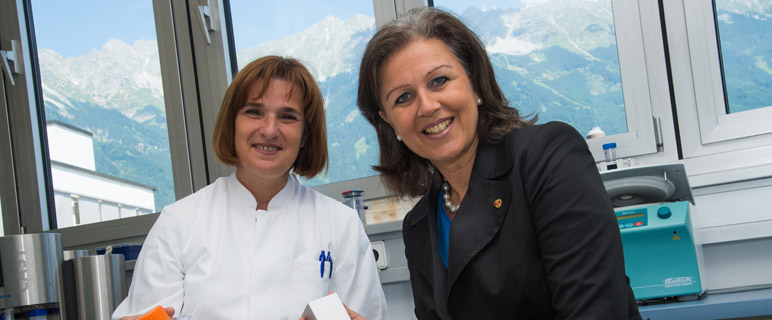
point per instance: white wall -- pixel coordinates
(68, 180)
(85, 188)
(735, 225)
(70, 146)
(738, 266)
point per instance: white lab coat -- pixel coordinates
(214, 256)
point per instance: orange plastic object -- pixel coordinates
(158, 313)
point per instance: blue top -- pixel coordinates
(443, 230)
(609, 145)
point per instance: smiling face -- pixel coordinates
(429, 101)
(269, 131)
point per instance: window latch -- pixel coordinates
(205, 19)
(10, 57)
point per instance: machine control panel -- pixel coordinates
(632, 218)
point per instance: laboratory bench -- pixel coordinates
(750, 304)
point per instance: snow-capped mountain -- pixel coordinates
(575, 25)
(119, 76)
(328, 47)
(578, 26)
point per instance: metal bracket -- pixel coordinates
(12, 56)
(205, 19)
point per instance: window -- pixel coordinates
(560, 61)
(196, 69)
(715, 53)
(744, 29)
(328, 37)
(106, 123)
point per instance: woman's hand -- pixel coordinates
(169, 311)
(353, 315)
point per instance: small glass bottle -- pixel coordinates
(610, 151)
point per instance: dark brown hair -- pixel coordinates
(312, 157)
(402, 170)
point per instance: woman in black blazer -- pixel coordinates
(514, 221)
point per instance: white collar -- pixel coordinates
(239, 194)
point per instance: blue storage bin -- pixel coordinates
(130, 251)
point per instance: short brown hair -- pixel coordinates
(312, 158)
(402, 170)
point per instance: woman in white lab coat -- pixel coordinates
(258, 244)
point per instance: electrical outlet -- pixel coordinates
(379, 251)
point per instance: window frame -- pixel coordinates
(717, 147)
(643, 71)
(189, 82)
(194, 85)
(640, 137)
(196, 74)
(9, 205)
(30, 184)
(213, 74)
(26, 181)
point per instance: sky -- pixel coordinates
(77, 27)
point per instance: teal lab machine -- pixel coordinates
(654, 208)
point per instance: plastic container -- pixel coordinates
(355, 200)
(610, 153)
(37, 314)
(158, 313)
(595, 132)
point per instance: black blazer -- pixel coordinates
(552, 250)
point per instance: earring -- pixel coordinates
(479, 101)
(399, 138)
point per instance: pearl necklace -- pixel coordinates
(446, 196)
